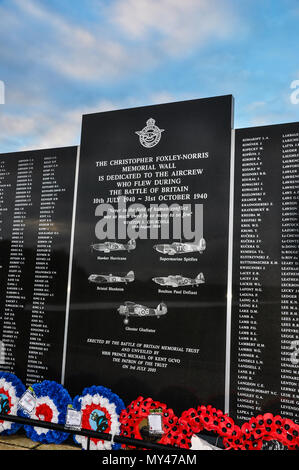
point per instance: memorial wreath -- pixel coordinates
(51, 404)
(100, 409)
(134, 424)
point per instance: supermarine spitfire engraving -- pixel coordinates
(131, 309)
(150, 134)
(179, 281)
(111, 278)
(107, 247)
(179, 248)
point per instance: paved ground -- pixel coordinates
(21, 442)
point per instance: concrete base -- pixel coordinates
(20, 442)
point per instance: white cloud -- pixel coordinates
(72, 50)
(62, 128)
(53, 130)
(130, 36)
(256, 105)
(42, 47)
(175, 25)
(269, 119)
(164, 96)
(15, 125)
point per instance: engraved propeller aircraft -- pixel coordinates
(107, 247)
(111, 278)
(131, 309)
(180, 248)
(179, 281)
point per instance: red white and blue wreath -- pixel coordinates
(52, 401)
(11, 390)
(100, 409)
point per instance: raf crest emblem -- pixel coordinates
(150, 134)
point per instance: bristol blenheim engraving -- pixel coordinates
(111, 278)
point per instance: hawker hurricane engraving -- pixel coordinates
(131, 309)
(111, 278)
(179, 281)
(179, 248)
(107, 247)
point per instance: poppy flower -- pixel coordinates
(259, 433)
(169, 419)
(192, 418)
(167, 439)
(289, 433)
(226, 426)
(235, 441)
(246, 430)
(252, 445)
(206, 418)
(183, 442)
(256, 422)
(182, 434)
(269, 423)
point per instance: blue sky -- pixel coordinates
(61, 59)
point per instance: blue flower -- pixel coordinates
(54, 398)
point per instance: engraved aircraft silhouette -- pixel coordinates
(179, 281)
(131, 309)
(111, 278)
(179, 248)
(107, 247)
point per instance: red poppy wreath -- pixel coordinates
(135, 424)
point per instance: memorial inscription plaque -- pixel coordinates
(36, 202)
(265, 321)
(149, 276)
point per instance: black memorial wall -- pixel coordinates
(36, 202)
(147, 292)
(265, 321)
(150, 318)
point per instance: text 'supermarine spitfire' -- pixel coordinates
(111, 278)
(107, 247)
(179, 248)
(179, 281)
(131, 309)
